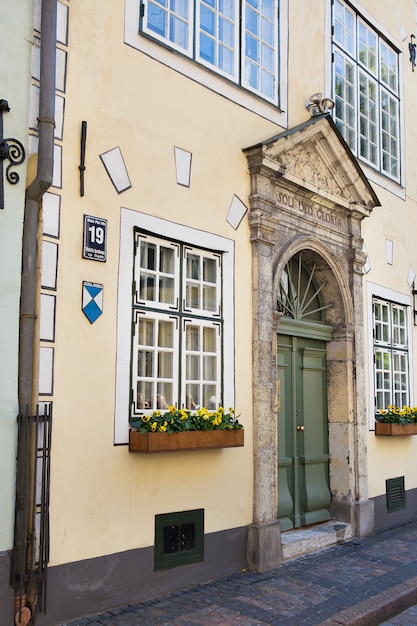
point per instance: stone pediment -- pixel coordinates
(314, 158)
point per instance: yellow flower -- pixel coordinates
(231, 410)
(172, 409)
(163, 428)
(146, 418)
(154, 425)
(156, 413)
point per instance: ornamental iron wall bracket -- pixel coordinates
(10, 149)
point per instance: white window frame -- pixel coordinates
(395, 297)
(129, 219)
(241, 60)
(383, 38)
(213, 80)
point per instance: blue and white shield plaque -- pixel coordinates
(92, 305)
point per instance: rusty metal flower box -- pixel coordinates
(190, 440)
(392, 430)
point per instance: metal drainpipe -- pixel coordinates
(34, 193)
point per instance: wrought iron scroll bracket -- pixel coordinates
(10, 149)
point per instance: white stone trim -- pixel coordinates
(128, 220)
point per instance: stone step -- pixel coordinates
(295, 543)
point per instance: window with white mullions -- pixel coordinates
(237, 39)
(156, 272)
(154, 368)
(365, 77)
(202, 282)
(169, 20)
(218, 33)
(202, 364)
(177, 328)
(259, 50)
(390, 354)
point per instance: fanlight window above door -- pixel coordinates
(298, 295)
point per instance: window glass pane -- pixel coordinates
(145, 363)
(192, 337)
(164, 395)
(209, 339)
(166, 290)
(193, 266)
(192, 396)
(344, 89)
(148, 255)
(157, 19)
(144, 394)
(207, 20)
(169, 21)
(260, 38)
(217, 34)
(165, 365)
(389, 67)
(210, 398)
(178, 32)
(368, 118)
(193, 367)
(209, 368)
(207, 50)
(389, 132)
(344, 26)
(180, 7)
(367, 47)
(209, 298)
(146, 333)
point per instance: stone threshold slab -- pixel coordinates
(295, 543)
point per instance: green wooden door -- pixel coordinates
(303, 459)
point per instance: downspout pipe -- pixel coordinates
(34, 193)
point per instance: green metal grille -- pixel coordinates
(179, 539)
(395, 493)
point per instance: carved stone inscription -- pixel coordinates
(304, 207)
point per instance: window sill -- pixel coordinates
(191, 440)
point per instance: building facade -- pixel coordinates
(229, 223)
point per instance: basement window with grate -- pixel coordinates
(179, 539)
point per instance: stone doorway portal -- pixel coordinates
(309, 196)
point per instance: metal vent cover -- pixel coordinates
(395, 493)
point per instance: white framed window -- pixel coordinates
(177, 325)
(175, 311)
(236, 39)
(366, 90)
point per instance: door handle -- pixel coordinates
(300, 427)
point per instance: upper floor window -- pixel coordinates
(366, 90)
(238, 40)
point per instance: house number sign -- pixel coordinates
(95, 238)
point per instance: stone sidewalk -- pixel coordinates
(362, 582)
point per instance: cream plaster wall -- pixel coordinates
(15, 51)
(104, 499)
(395, 220)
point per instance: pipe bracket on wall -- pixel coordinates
(10, 149)
(82, 155)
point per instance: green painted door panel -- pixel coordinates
(303, 476)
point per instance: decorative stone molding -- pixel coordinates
(309, 195)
